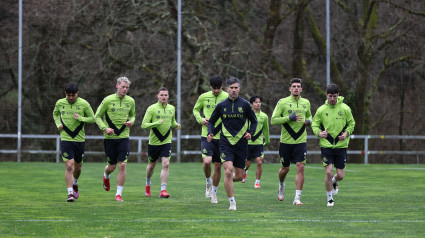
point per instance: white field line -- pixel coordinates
(223, 220)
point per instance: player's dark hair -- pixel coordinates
(71, 88)
(216, 81)
(332, 89)
(253, 98)
(232, 80)
(295, 80)
(162, 89)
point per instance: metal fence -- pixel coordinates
(141, 139)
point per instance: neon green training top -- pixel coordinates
(63, 114)
(160, 133)
(115, 112)
(292, 132)
(207, 103)
(335, 119)
(262, 129)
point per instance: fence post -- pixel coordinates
(58, 145)
(139, 150)
(366, 149)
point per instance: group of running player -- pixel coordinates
(115, 116)
(234, 132)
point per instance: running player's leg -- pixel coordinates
(258, 153)
(227, 155)
(285, 153)
(165, 155)
(207, 149)
(259, 172)
(111, 159)
(164, 177)
(69, 167)
(247, 163)
(328, 159)
(299, 158)
(340, 161)
(76, 175)
(123, 150)
(78, 163)
(153, 156)
(68, 154)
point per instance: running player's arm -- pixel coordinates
(88, 114)
(174, 123)
(99, 114)
(350, 120)
(253, 119)
(214, 117)
(56, 116)
(197, 110)
(147, 122)
(277, 116)
(132, 113)
(308, 116)
(315, 125)
(266, 131)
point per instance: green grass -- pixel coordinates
(374, 201)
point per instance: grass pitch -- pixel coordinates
(374, 201)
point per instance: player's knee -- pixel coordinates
(259, 161)
(69, 168)
(207, 163)
(238, 177)
(166, 164)
(111, 168)
(122, 166)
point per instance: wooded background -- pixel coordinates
(377, 59)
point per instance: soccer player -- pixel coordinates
(333, 123)
(159, 118)
(293, 114)
(70, 115)
(118, 113)
(210, 150)
(255, 145)
(234, 113)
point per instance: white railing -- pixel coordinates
(140, 139)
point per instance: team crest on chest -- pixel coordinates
(240, 109)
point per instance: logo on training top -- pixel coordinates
(113, 110)
(127, 105)
(290, 111)
(224, 109)
(113, 104)
(78, 107)
(63, 112)
(304, 106)
(208, 106)
(340, 113)
(240, 109)
(159, 111)
(290, 105)
(208, 100)
(157, 117)
(326, 114)
(170, 111)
